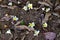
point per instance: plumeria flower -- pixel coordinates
(8, 32)
(36, 32)
(47, 9)
(10, 3)
(15, 18)
(45, 24)
(25, 8)
(30, 6)
(31, 24)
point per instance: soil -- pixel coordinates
(27, 16)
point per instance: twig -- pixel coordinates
(10, 7)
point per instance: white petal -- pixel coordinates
(25, 8)
(16, 18)
(8, 32)
(33, 23)
(19, 2)
(43, 9)
(10, 3)
(36, 33)
(48, 9)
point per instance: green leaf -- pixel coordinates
(22, 22)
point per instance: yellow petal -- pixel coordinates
(15, 18)
(30, 6)
(45, 25)
(31, 24)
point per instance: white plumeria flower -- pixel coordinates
(8, 32)
(10, 3)
(15, 18)
(25, 8)
(30, 6)
(43, 9)
(47, 9)
(36, 32)
(19, 2)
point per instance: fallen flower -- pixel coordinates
(43, 9)
(10, 3)
(8, 32)
(15, 18)
(25, 8)
(30, 6)
(36, 32)
(45, 24)
(47, 9)
(31, 25)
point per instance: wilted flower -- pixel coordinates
(15, 18)
(45, 24)
(36, 32)
(31, 24)
(50, 35)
